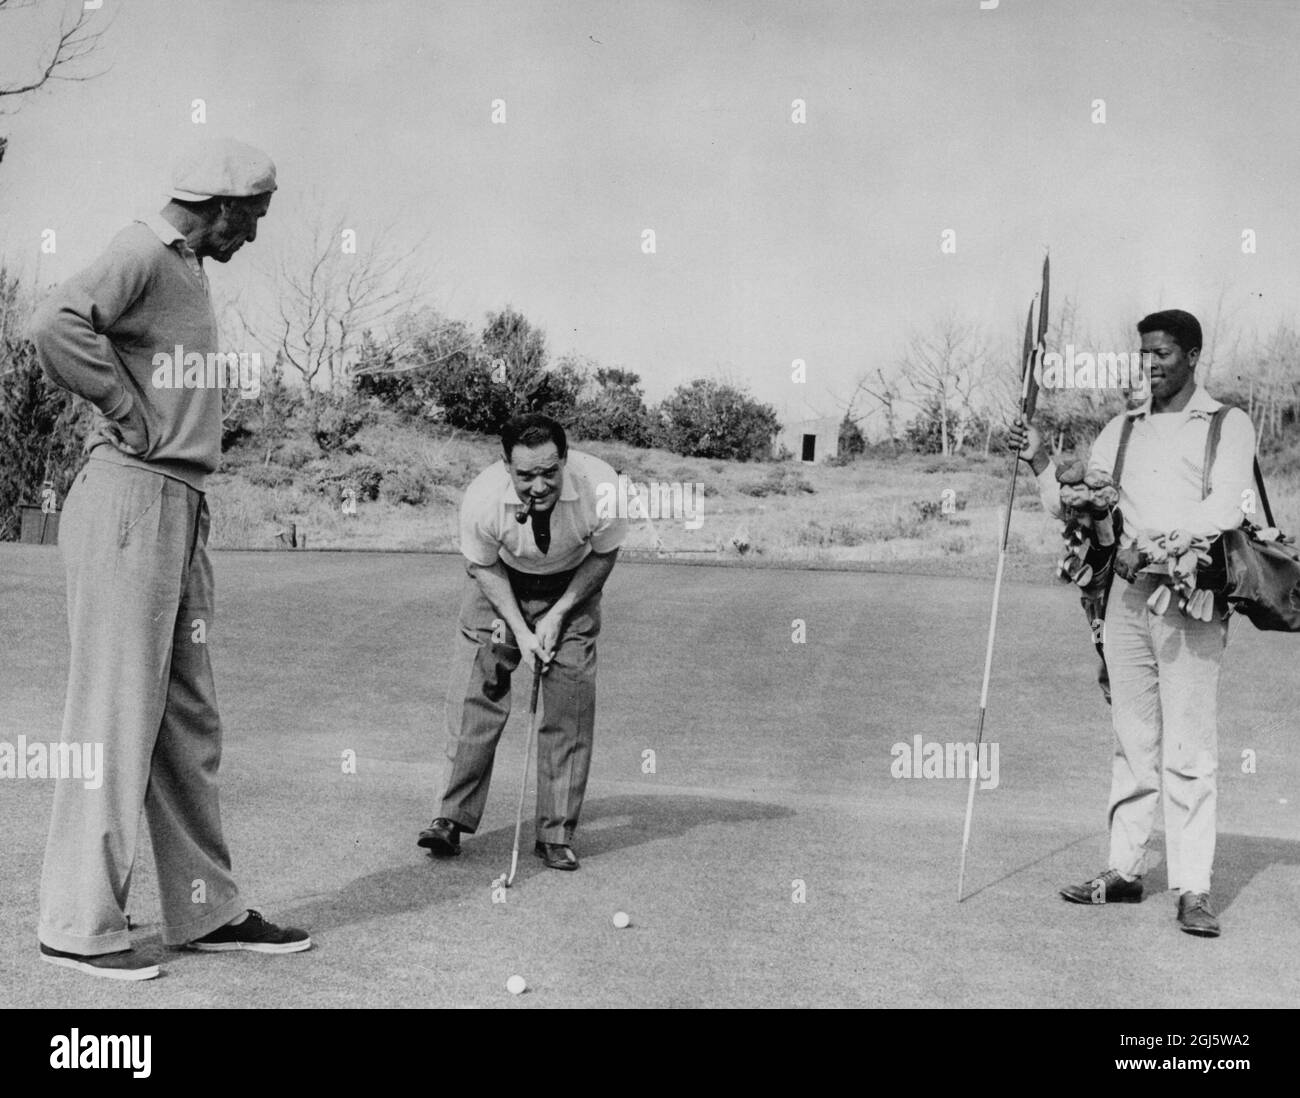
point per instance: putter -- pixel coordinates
(1028, 399)
(523, 787)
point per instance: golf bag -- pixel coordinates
(1259, 578)
(1101, 559)
(1093, 598)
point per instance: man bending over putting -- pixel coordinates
(1164, 668)
(541, 538)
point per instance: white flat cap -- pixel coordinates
(221, 167)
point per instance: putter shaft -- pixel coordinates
(523, 786)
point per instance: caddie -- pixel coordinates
(1164, 663)
(133, 537)
(540, 536)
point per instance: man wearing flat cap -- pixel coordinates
(133, 537)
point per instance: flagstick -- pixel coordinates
(1026, 401)
(988, 671)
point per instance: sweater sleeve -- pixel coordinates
(70, 327)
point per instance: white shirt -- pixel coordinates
(1160, 484)
(582, 520)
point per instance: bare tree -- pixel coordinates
(334, 278)
(887, 396)
(947, 371)
(70, 42)
(1222, 331)
(416, 341)
(1273, 387)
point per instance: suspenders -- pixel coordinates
(1211, 449)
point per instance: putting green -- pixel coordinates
(772, 858)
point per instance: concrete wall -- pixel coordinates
(825, 434)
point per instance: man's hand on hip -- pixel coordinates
(128, 433)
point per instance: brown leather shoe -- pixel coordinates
(1195, 916)
(1105, 888)
(556, 855)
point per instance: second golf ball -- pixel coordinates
(621, 919)
(516, 985)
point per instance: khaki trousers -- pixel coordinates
(1164, 683)
(140, 607)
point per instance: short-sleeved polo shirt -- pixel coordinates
(582, 521)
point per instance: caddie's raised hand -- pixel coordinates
(1025, 440)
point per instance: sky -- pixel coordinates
(775, 240)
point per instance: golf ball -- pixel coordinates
(516, 985)
(621, 919)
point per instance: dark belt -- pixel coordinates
(527, 585)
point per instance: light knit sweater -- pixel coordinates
(96, 335)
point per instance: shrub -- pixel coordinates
(296, 453)
(469, 397)
(708, 419)
(851, 440)
(336, 417)
(812, 534)
(1281, 459)
(615, 412)
(42, 427)
(847, 533)
(237, 419)
(898, 526)
(778, 482)
(406, 486)
(924, 434)
(361, 473)
(268, 476)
